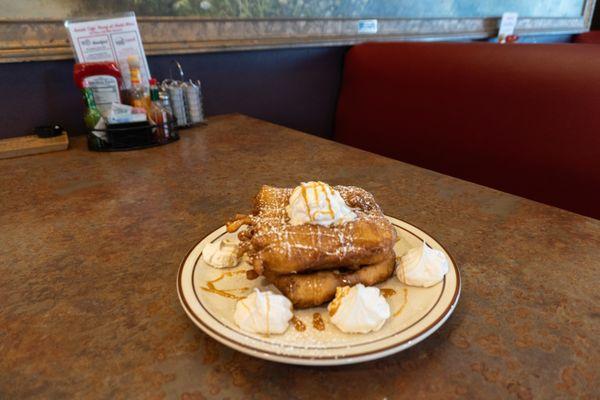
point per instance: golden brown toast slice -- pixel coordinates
(282, 248)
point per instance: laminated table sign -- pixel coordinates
(109, 39)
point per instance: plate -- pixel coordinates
(209, 295)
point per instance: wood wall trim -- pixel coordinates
(36, 40)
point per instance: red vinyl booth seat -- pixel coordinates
(591, 37)
(520, 118)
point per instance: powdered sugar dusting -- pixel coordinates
(271, 235)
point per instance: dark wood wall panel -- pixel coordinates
(293, 87)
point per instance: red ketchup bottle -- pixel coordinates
(104, 79)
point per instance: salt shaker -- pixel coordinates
(177, 103)
(193, 99)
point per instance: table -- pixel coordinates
(90, 245)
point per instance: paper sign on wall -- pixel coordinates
(367, 26)
(109, 39)
(507, 25)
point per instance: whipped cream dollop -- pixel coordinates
(358, 309)
(318, 203)
(222, 254)
(263, 312)
(422, 266)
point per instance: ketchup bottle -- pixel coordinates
(104, 79)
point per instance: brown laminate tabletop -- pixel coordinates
(90, 245)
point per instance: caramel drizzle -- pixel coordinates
(305, 197)
(210, 286)
(330, 211)
(387, 292)
(245, 306)
(401, 269)
(316, 192)
(405, 292)
(315, 187)
(318, 322)
(340, 293)
(212, 289)
(298, 325)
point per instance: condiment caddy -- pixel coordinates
(119, 118)
(124, 110)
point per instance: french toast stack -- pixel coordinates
(308, 262)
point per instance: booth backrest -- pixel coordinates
(520, 118)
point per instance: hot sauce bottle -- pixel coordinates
(158, 114)
(92, 115)
(137, 93)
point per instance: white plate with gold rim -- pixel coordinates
(209, 295)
